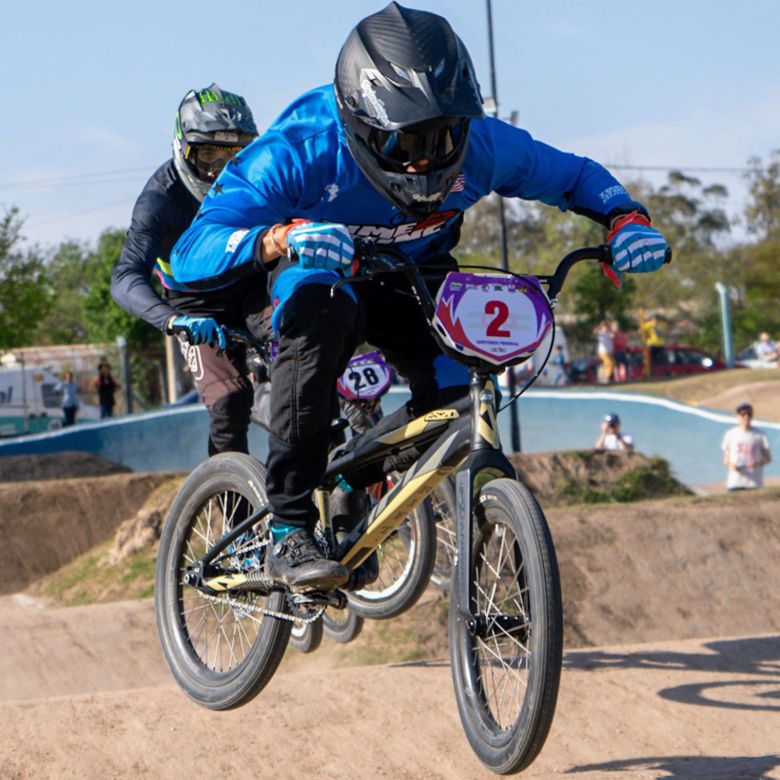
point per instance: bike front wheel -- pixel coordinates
(506, 653)
(222, 649)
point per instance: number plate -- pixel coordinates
(495, 317)
(367, 377)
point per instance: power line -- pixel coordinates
(81, 213)
(121, 180)
(691, 168)
(87, 178)
(99, 177)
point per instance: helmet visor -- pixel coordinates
(434, 144)
(208, 160)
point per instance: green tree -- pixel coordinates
(105, 321)
(69, 273)
(24, 288)
(763, 211)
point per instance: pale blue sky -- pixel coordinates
(90, 88)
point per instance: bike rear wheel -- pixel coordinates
(222, 649)
(506, 666)
(405, 562)
(306, 637)
(341, 625)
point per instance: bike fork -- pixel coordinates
(485, 462)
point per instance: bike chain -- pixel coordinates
(244, 607)
(296, 615)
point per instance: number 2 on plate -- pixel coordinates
(501, 312)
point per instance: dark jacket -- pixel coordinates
(163, 211)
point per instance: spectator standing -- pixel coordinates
(619, 346)
(766, 348)
(70, 398)
(604, 349)
(106, 387)
(611, 438)
(745, 452)
(560, 368)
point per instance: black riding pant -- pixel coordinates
(318, 334)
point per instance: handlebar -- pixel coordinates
(377, 259)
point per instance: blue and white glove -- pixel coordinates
(322, 245)
(199, 330)
(636, 247)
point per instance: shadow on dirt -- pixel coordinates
(710, 767)
(759, 657)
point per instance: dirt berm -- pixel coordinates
(45, 524)
(672, 669)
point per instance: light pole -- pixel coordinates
(514, 424)
(725, 317)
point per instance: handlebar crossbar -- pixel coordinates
(377, 259)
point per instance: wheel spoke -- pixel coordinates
(396, 558)
(221, 633)
(501, 657)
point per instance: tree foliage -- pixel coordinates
(693, 217)
(63, 296)
(763, 211)
(104, 320)
(68, 274)
(24, 288)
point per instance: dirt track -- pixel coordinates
(670, 709)
(85, 692)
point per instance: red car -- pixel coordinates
(671, 360)
(668, 360)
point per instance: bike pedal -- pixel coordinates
(313, 599)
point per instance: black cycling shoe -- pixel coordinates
(298, 562)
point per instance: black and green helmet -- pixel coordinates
(209, 117)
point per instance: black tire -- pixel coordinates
(306, 637)
(519, 671)
(405, 563)
(443, 503)
(342, 625)
(225, 674)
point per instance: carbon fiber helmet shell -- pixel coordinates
(209, 116)
(401, 68)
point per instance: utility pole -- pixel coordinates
(513, 412)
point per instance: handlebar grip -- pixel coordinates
(183, 333)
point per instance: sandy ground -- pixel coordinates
(698, 708)
(85, 692)
(765, 397)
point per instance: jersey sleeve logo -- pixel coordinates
(408, 231)
(234, 240)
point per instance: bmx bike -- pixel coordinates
(224, 624)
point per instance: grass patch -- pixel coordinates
(88, 580)
(639, 484)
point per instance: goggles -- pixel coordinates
(434, 142)
(208, 160)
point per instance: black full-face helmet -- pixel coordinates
(211, 127)
(406, 93)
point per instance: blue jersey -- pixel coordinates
(302, 168)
